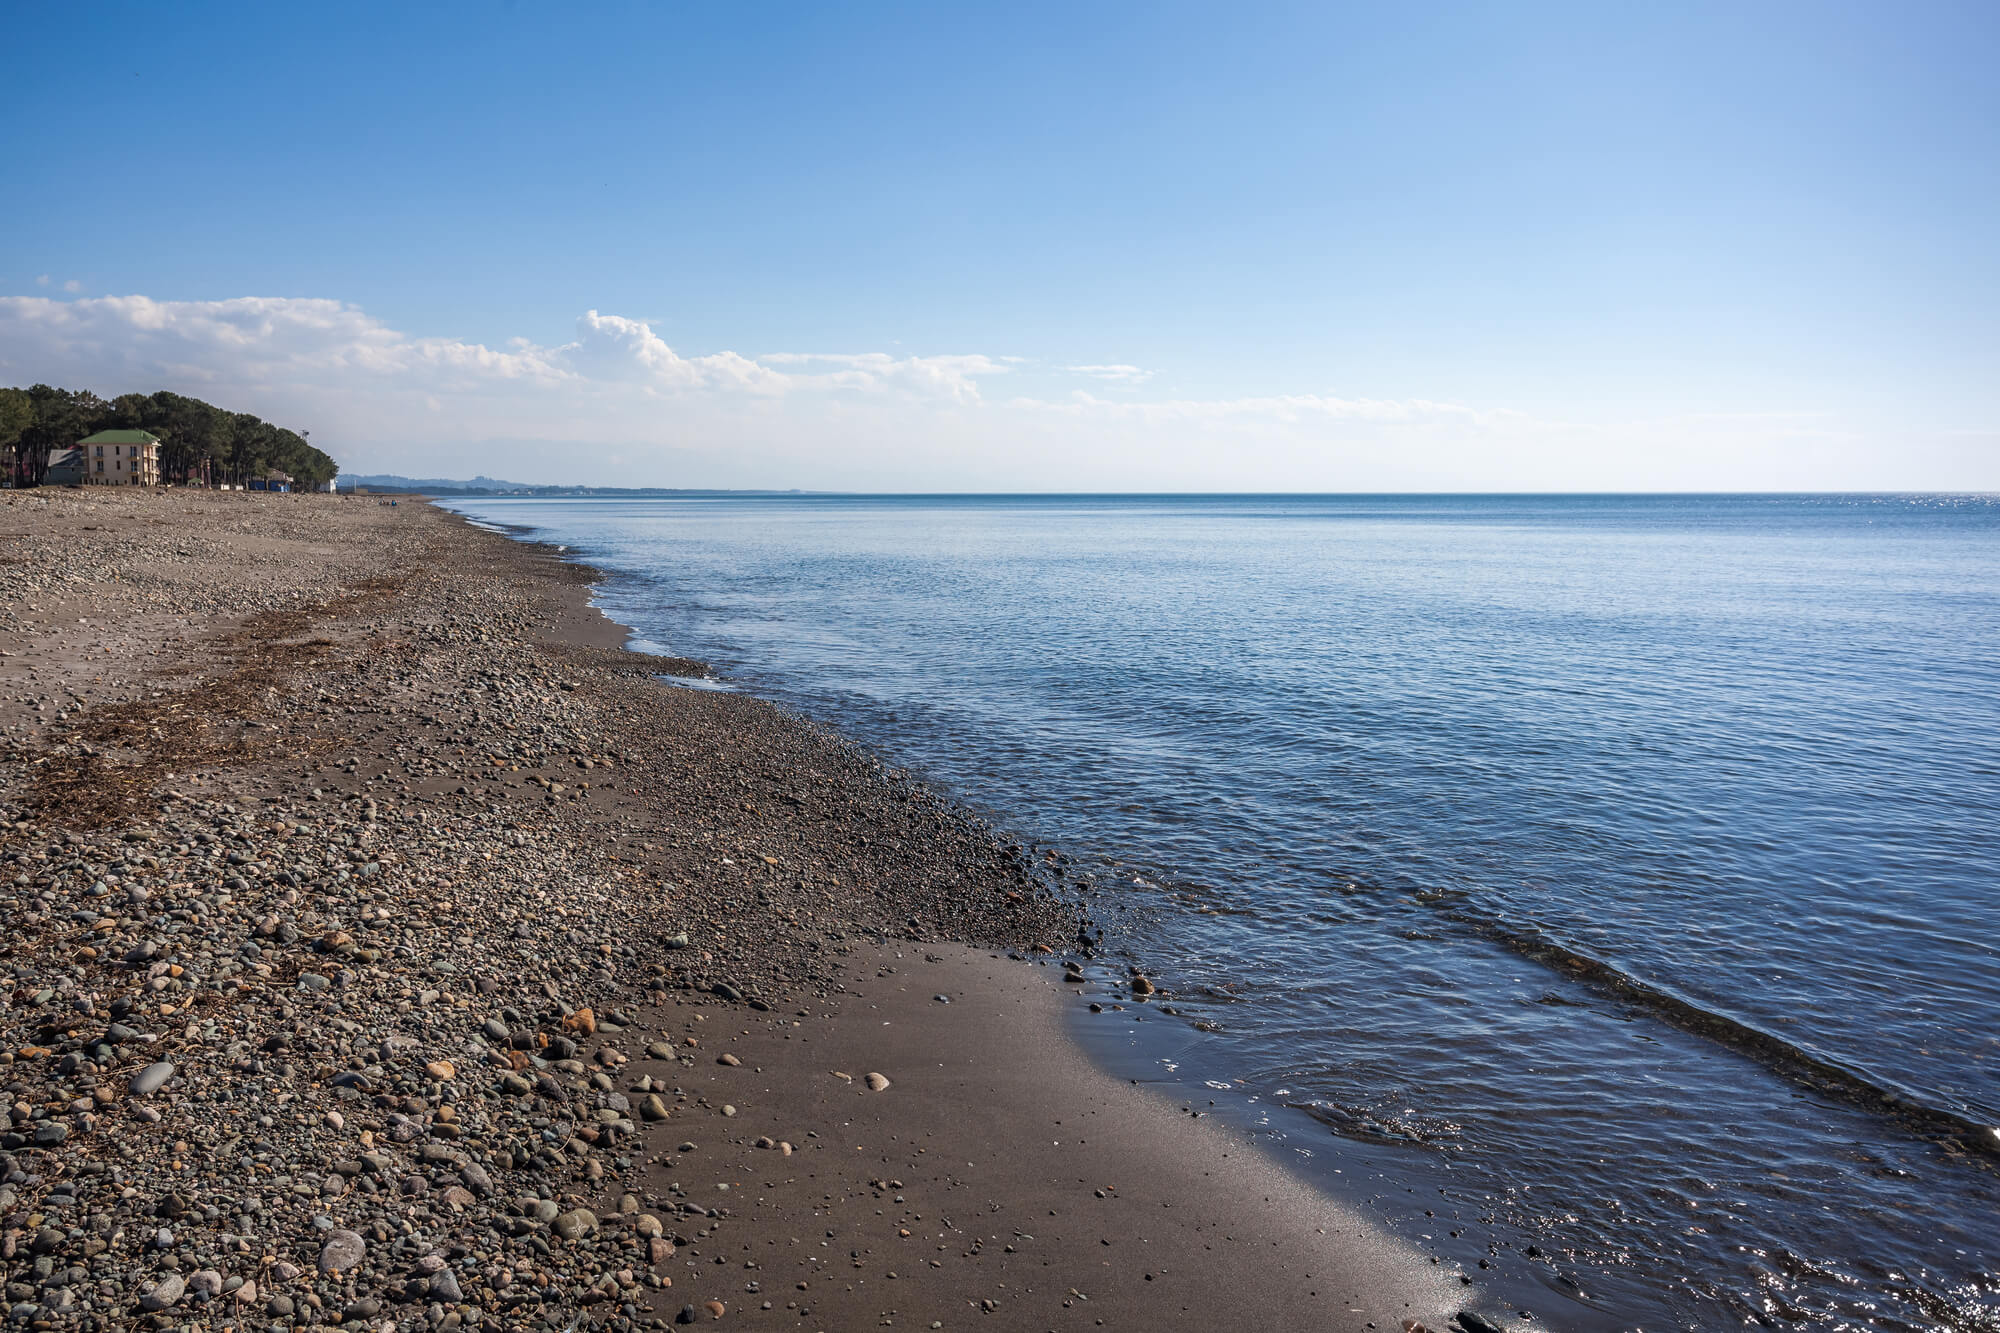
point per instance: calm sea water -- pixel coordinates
(1604, 888)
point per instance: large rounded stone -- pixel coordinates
(342, 1252)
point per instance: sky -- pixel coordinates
(1028, 247)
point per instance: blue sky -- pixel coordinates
(1315, 247)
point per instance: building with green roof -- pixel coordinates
(121, 458)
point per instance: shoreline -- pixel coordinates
(512, 764)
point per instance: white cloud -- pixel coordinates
(72, 286)
(42, 281)
(289, 340)
(954, 377)
(613, 346)
(270, 340)
(1115, 374)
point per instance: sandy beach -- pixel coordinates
(389, 946)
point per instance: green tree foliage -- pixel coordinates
(17, 413)
(197, 440)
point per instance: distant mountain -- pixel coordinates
(388, 481)
(488, 486)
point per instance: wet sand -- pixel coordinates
(755, 916)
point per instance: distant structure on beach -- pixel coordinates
(121, 458)
(65, 467)
(272, 480)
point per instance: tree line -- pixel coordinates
(197, 440)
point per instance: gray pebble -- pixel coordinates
(165, 1294)
(342, 1252)
(151, 1079)
(576, 1224)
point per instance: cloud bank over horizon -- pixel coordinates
(617, 405)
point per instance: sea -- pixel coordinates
(1602, 892)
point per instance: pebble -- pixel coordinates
(576, 1224)
(150, 1079)
(164, 1294)
(877, 1083)
(342, 1252)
